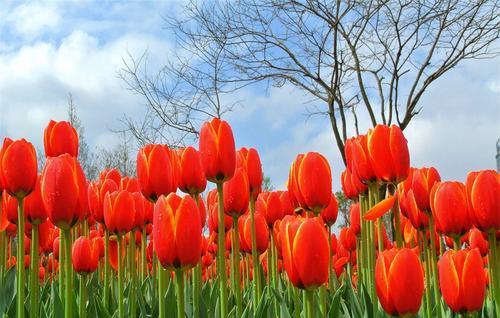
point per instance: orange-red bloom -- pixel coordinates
(462, 280)
(119, 211)
(217, 150)
(191, 175)
(60, 138)
(310, 182)
(399, 281)
(236, 193)
(388, 152)
(177, 231)
(18, 167)
(357, 158)
(157, 170)
(329, 214)
(422, 180)
(477, 239)
(33, 205)
(449, 208)
(249, 159)
(85, 255)
(64, 191)
(261, 232)
(483, 189)
(269, 205)
(347, 238)
(305, 248)
(355, 218)
(96, 192)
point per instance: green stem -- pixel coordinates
(435, 283)
(179, 290)
(106, 270)
(132, 270)
(427, 280)
(397, 219)
(144, 266)
(310, 304)
(221, 259)
(3, 238)
(20, 258)
(330, 265)
(62, 257)
(255, 256)
(34, 286)
(196, 290)
(236, 268)
(120, 300)
(494, 268)
(296, 302)
(322, 298)
(68, 291)
(456, 243)
(82, 308)
(162, 289)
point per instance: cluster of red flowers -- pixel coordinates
(118, 219)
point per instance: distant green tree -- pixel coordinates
(344, 204)
(267, 185)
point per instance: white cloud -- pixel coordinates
(33, 19)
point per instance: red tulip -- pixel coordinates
(329, 214)
(33, 205)
(269, 205)
(261, 233)
(483, 189)
(213, 220)
(18, 167)
(130, 184)
(64, 191)
(140, 204)
(112, 174)
(358, 160)
(388, 152)
(351, 185)
(422, 181)
(399, 281)
(177, 231)
(305, 251)
(462, 280)
(9, 208)
(310, 182)
(347, 238)
(119, 211)
(236, 195)
(192, 176)
(355, 218)
(85, 256)
(449, 208)
(478, 239)
(286, 204)
(217, 150)
(60, 138)
(409, 208)
(96, 192)
(157, 171)
(249, 159)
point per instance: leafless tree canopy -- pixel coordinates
(377, 57)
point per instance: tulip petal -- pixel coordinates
(380, 208)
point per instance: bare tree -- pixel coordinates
(377, 57)
(120, 157)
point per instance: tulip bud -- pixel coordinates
(483, 190)
(249, 160)
(177, 231)
(399, 281)
(119, 211)
(60, 138)
(18, 167)
(269, 205)
(236, 195)
(85, 256)
(192, 176)
(329, 214)
(217, 150)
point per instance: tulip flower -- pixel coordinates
(450, 209)
(269, 205)
(462, 280)
(130, 184)
(64, 191)
(477, 239)
(399, 281)
(96, 192)
(248, 158)
(177, 238)
(310, 182)
(351, 185)
(245, 232)
(422, 180)
(358, 160)
(354, 218)
(305, 251)
(119, 211)
(236, 194)
(388, 152)
(347, 238)
(157, 171)
(33, 205)
(329, 214)
(18, 167)
(217, 150)
(112, 174)
(85, 255)
(60, 138)
(191, 175)
(483, 189)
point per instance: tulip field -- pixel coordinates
(194, 235)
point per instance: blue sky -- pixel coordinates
(48, 50)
